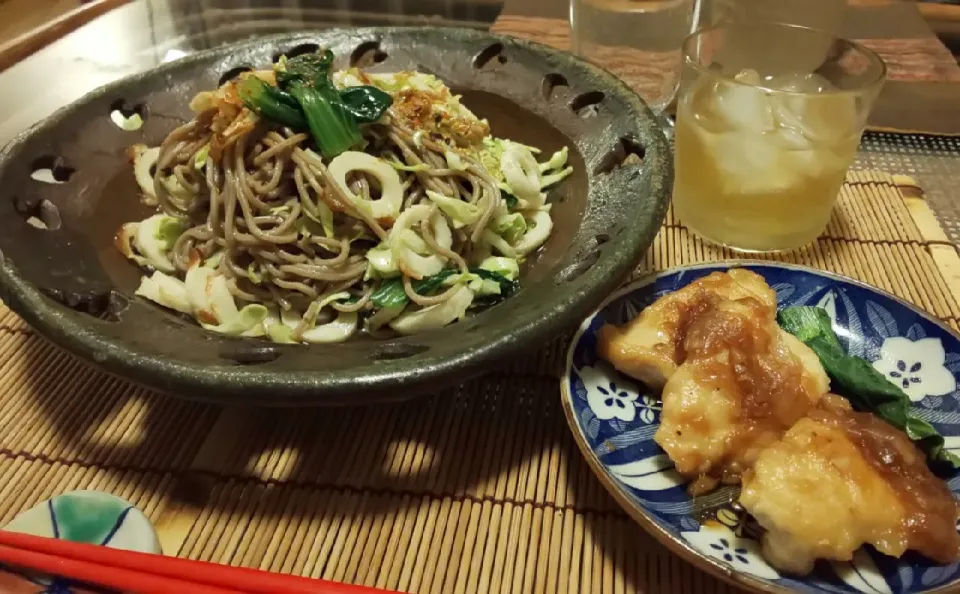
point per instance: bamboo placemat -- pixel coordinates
(473, 490)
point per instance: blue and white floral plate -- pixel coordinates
(613, 421)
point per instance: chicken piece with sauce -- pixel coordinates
(743, 383)
(839, 479)
(650, 347)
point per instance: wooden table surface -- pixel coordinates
(923, 89)
(77, 56)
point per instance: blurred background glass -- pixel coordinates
(826, 15)
(638, 40)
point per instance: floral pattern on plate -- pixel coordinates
(614, 419)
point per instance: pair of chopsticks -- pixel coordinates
(143, 573)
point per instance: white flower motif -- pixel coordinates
(916, 366)
(648, 406)
(608, 395)
(861, 573)
(649, 474)
(742, 554)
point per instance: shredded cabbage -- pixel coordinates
(508, 268)
(556, 161)
(382, 260)
(462, 213)
(510, 226)
(537, 233)
(435, 316)
(200, 159)
(410, 168)
(454, 161)
(480, 286)
(154, 239)
(166, 291)
(554, 178)
(522, 173)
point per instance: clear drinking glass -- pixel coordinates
(769, 118)
(826, 15)
(638, 40)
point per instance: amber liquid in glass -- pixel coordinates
(759, 170)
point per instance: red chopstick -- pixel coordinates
(144, 573)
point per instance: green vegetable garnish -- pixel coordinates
(307, 79)
(510, 227)
(507, 288)
(366, 103)
(271, 103)
(169, 230)
(867, 389)
(306, 99)
(511, 200)
(391, 293)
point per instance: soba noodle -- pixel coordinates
(259, 235)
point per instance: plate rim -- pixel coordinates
(674, 544)
(251, 385)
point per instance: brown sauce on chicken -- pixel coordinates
(736, 348)
(930, 516)
(771, 382)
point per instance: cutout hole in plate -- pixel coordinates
(587, 105)
(106, 306)
(587, 257)
(490, 56)
(297, 50)
(552, 83)
(627, 151)
(128, 118)
(244, 353)
(50, 169)
(367, 54)
(39, 213)
(233, 73)
(394, 351)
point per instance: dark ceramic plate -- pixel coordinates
(70, 283)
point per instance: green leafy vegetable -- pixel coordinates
(511, 200)
(510, 227)
(200, 158)
(305, 98)
(867, 389)
(508, 268)
(271, 103)
(169, 230)
(461, 213)
(507, 288)
(391, 293)
(307, 78)
(366, 103)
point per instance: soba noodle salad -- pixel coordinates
(303, 204)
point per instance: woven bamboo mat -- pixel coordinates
(477, 489)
